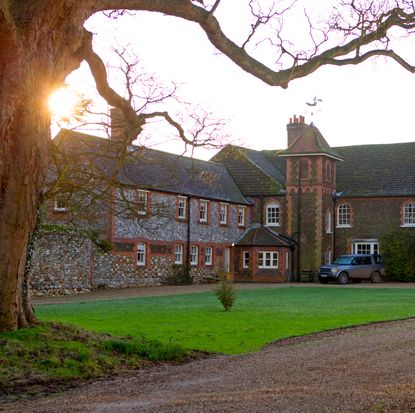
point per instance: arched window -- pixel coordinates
(343, 215)
(409, 214)
(273, 214)
(329, 227)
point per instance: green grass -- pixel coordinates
(56, 353)
(197, 321)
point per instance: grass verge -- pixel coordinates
(34, 359)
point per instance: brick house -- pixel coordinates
(261, 215)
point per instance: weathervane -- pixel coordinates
(311, 105)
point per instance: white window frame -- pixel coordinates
(241, 216)
(266, 259)
(329, 222)
(194, 255)
(408, 214)
(178, 254)
(208, 256)
(272, 215)
(345, 216)
(287, 260)
(203, 211)
(142, 204)
(141, 254)
(56, 205)
(181, 207)
(223, 214)
(246, 259)
(365, 246)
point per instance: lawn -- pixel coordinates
(259, 316)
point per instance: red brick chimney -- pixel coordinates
(117, 123)
(295, 128)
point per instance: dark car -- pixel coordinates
(355, 267)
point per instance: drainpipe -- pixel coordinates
(261, 216)
(188, 266)
(334, 197)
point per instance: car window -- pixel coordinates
(344, 260)
(366, 261)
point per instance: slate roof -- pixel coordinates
(259, 236)
(153, 169)
(252, 171)
(310, 142)
(366, 170)
(376, 170)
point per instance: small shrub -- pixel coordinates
(180, 276)
(225, 291)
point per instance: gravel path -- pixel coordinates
(361, 369)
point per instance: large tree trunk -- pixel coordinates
(36, 53)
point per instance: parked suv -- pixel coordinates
(355, 267)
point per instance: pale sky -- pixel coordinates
(365, 104)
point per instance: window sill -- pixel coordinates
(343, 226)
(268, 268)
(408, 226)
(272, 225)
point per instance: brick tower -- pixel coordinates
(310, 184)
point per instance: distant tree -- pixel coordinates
(42, 41)
(398, 250)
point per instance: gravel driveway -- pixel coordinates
(361, 369)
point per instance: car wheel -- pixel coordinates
(343, 278)
(324, 280)
(376, 278)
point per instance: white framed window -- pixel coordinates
(181, 207)
(273, 214)
(208, 255)
(241, 216)
(268, 259)
(223, 214)
(329, 224)
(141, 254)
(142, 199)
(203, 210)
(287, 260)
(60, 205)
(194, 252)
(409, 215)
(343, 215)
(246, 259)
(178, 254)
(370, 246)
